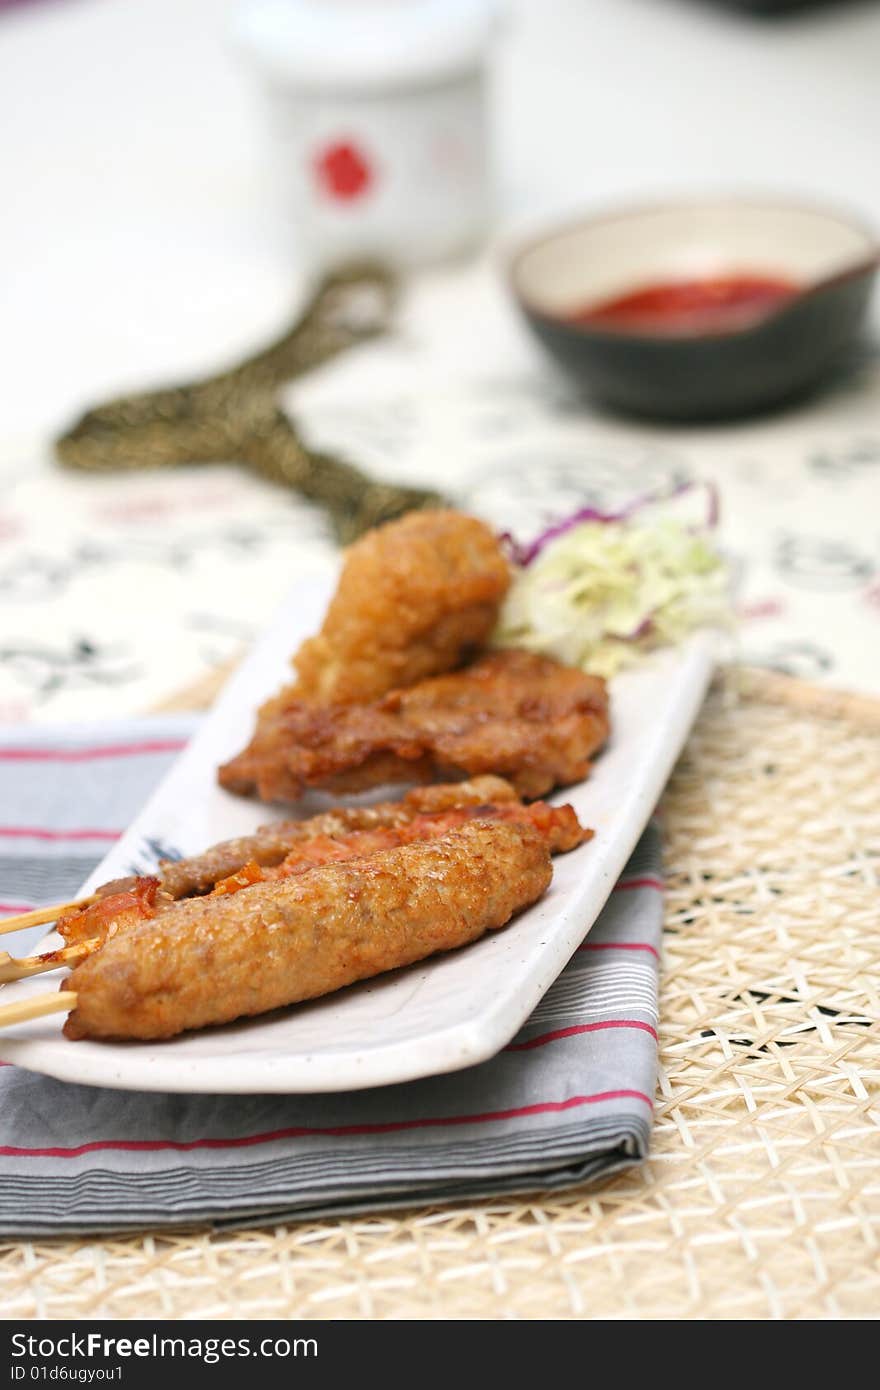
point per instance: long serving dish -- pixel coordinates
(449, 1012)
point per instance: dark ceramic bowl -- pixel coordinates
(700, 375)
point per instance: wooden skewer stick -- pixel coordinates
(37, 1007)
(20, 969)
(40, 915)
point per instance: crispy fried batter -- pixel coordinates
(415, 597)
(210, 960)
(327, 839)
(271, 843)
(120, 905)
(558, 827)
(523, 716)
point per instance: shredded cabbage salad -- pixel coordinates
(599, 591)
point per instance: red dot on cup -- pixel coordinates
(343, 171)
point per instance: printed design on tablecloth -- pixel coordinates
(752, 610)
(147, 506)
(219, 638)
(39, 575)
(11, 527)
(850, 460)
(872, 596)
(529, 490)
(494, 411)
(343, 171)
(32, 577)
(388, 427)
(807, 660)
(524, 396)
(825, 563)
(195, 564)
(48, 670)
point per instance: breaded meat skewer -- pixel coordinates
(144, 898)
(271, 843)
(345, 833)
(268, 845)
(214, 959)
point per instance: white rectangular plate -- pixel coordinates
(448, 1012)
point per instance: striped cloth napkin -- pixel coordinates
(569, 1099)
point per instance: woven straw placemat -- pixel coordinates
(761, 1198)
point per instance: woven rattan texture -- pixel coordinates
(762, 1195)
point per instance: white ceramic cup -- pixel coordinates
(378, 112)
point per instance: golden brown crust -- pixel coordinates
(525, 717)
(269, 845)
(211, 960)
(294, 847)
(417, 596)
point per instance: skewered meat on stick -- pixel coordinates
(271, 843)
(40, 916)
(523, 716)
(139, 901)
(213, 959)
(558, 827)
(143, 898)
(416, 597)
(289, 847)
(12, 968)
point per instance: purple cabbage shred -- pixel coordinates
(524, 555)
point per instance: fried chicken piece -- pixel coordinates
(523, 716)
(416, 597)
(214, 959)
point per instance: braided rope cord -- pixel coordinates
(235, 416)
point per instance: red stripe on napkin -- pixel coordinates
(581, 1028)
(31, 832)
(82, 755)
(303, 1131)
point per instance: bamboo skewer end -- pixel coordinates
(38, 1006)
(12, 969)
(42, 915)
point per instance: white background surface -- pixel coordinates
(141, 242)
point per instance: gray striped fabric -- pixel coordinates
(567, 1101)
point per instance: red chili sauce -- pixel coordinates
(681, 307)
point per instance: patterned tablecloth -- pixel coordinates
(116, 592)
